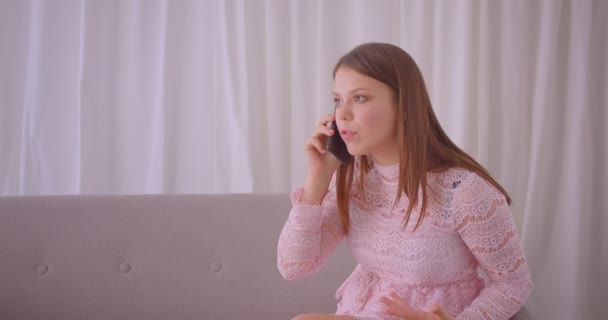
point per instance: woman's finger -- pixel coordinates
(397, 299)
(315, 143)
(326, 119)
(392, 307)
(440, 313)
(397, 307)
(322, 131)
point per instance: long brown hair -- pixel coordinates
(423, 145)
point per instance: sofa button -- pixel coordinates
(125, 267)
(42, 269)
(216, 266)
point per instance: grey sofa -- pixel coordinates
(153, 257)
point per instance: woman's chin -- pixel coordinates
(357, 152)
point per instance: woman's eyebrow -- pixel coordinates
(351, 91)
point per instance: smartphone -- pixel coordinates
(337, 147)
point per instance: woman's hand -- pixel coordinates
(395, 306)
(321, 163)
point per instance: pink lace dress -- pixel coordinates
(469, 224)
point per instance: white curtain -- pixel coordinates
(122, 97)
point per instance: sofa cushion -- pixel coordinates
(153, 257)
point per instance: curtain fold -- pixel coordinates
(125, 97)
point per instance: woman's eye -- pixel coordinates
(337, 102)
(360, 99)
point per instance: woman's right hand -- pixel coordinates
(321, 163)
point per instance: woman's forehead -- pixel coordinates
(348, 80)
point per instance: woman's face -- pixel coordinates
(366, 112)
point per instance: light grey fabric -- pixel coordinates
(154, 257)
(173, 245)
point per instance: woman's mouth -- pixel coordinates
(347, 134)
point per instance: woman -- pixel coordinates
(419, 215)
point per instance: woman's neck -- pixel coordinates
(386, 158)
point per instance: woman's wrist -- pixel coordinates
(314, 190)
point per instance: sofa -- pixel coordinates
(154, 257)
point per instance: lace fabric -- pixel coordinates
(468, 225)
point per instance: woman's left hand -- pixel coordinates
(395, 306)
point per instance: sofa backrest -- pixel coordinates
(153, 257)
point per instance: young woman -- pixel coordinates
(419, 214)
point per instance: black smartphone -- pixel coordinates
(337, 147)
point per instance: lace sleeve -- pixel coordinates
(486, 225)
(310, 235)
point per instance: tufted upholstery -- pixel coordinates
(153, 257)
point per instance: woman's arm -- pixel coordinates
(486, 225)
(310, 235)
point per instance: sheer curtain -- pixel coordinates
(122, 97)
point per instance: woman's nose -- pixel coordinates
(344, 112)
